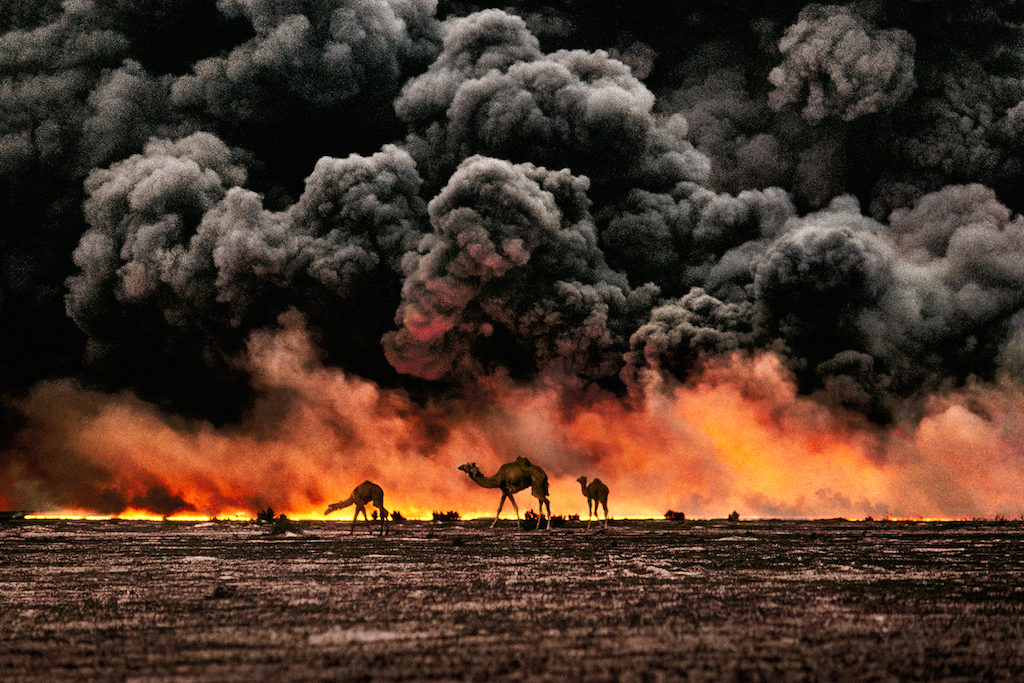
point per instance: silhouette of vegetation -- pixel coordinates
(397, 516)
(278, 525)
(282, 525)
(450, 516)
(265, 516)
(573, 518)
(530, 521)
(559, 521)
(734, 516)
(675, 516)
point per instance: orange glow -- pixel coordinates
(739, 439)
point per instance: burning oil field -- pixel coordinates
(767, 259)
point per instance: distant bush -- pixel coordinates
(530, 521)
(559, 521)
(397, 516)
(265, 516)
(573, 518)
(734, 516)
(675, 516)
(450, 516)
(279, 524)
(283, 525)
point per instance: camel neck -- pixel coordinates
(341, 504)
(490, 482)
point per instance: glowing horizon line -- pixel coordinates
(470, 517)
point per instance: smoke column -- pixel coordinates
(769, 259)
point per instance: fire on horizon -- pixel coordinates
(253, 253)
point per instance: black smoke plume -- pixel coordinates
(451, 191)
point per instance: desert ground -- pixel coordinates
(645, 600)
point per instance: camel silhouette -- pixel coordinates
(596, 492)
(513, 477)
(367, 492)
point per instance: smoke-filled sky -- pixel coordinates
(766, 257)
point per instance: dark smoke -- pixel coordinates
(448, 191)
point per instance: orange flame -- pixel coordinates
(738, 439)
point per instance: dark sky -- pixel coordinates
(604, 193)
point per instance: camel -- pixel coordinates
(596, 492)
(367, 492)
(513, 477)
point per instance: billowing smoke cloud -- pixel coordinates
(335, 61)
(835, 65)
(492, 92)
(176, 242)
(498, 229)
(512, 274)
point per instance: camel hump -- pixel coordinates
(523, 461)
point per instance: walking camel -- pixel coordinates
(367, 492)
(596, 492)
(513, 477)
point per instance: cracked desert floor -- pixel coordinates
(761, 600)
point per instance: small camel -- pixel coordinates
(367, 492)
(513, 477)
(596, 492)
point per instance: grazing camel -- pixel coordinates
(513, 477)
(367, 492)
(596, 492)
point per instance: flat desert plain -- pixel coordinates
(645, 600)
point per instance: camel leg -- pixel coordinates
(352, 528)
(604, 504)
(544, 502)
(361, 508)
(384, 526)
(516, 508)
(501, 505)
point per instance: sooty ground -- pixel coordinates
(765, 600)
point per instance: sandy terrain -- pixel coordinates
(644, 601)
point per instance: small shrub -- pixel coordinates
(265, 516)
(675, 516)
(573, 518)
(450, 516)
(558, 521)
(397, 516)
(734, 516)
(279, 524)
(530, 521)
(282, 525)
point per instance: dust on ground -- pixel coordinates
(777, 600)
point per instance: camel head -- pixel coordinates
(470, 468)
(330, 508)
(582, 480)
